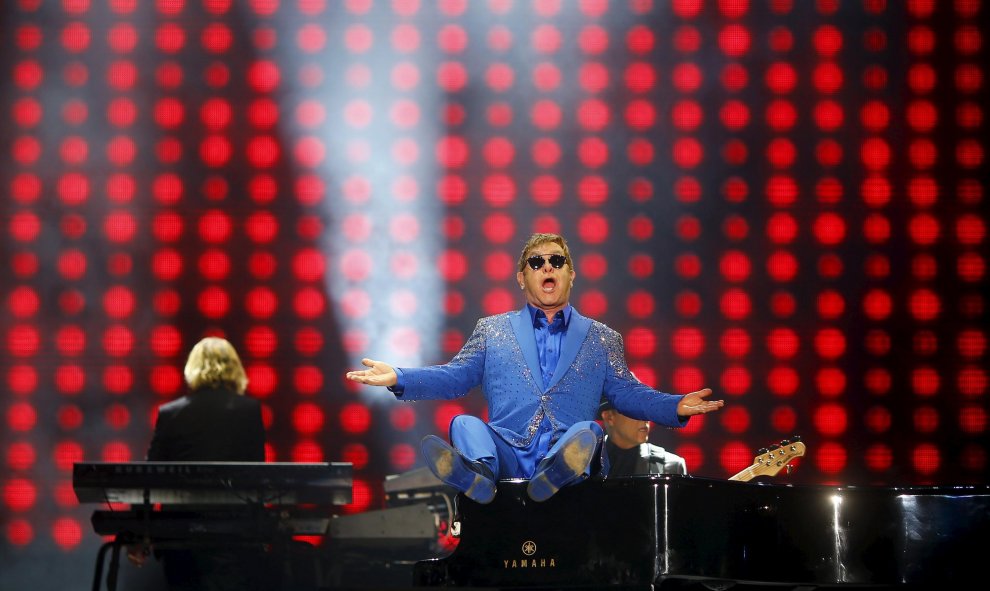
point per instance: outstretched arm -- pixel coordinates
(639, 401)
(379, 374)
(695, 403)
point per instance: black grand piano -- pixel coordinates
(194, 504)
(664, 531)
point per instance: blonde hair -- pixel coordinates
(543, 238)
(213, 362)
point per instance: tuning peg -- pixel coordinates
(762, 451)
(785, 442)
(774, 447)
(796, 438)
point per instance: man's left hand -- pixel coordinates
(695, 403)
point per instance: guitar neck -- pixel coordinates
(745, 474)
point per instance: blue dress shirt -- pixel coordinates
(549, 336)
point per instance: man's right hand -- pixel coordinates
(379, 374)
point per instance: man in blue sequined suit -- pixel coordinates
(544, 370)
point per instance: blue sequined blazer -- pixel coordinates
(501, 357)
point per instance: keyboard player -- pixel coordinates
(214, 422)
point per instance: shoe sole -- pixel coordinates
(576, 455)
(441, 460)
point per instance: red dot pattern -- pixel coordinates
(768, 200)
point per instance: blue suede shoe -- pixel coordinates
(451, 467)
(568, 465)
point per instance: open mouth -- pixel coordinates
(549, 284)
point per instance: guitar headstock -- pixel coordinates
(775, 458)
(769, 461)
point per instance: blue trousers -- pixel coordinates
(480, 443)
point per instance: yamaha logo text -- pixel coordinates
(529, 559)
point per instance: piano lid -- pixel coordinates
(644, 530)
(177, 483)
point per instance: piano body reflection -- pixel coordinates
(197, 504)
(645, 531)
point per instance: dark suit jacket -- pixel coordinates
(209, 425)
(651, 459)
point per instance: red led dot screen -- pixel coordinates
(783, 201)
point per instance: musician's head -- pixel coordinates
(214, 363)
(546, 272)
(624, 432)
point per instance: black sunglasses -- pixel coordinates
(537, 261)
